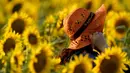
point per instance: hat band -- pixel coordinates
(84, 26)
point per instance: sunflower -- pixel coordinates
(113, 60)
(11, 42)
(22, 6)
(114, 5)
(18, 23)
(81, 64)
(31, 38)
(16, 62)
(41, 60)
(118, 24)
(14, 6)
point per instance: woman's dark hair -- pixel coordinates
(65, 55)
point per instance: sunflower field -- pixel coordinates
(32, 36)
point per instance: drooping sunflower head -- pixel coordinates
(31, 38)
(62, 14)
(59, 23)
(118, 24)
(11, 42)
(17, 62)
(18, 23)
(81, 64)
(113, 60)
(41, 60)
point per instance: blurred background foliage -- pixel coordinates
(48, 16)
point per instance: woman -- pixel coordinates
(84, 29)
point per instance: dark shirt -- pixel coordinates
(68, 54)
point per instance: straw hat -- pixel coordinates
(81, 24)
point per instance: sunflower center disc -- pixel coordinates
(121, 22)
(32, 39)
(18, 26)
(79, 69)
(109, 65)
(8, 45)
(41, 63)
